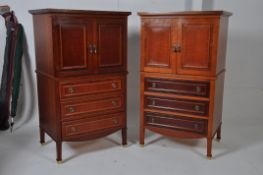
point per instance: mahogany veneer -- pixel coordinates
(182, 73)
(81, 74)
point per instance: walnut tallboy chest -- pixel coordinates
(81, 67)
(182, 73)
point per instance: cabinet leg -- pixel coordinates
(209, 148)
(42, 136)
(218, 134)
(124, 137)
(142, 135)
(59, 152)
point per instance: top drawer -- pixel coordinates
(191, 88)
(85, 88)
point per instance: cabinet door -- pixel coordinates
(110, 49)
(73, 39)
(156, 46)
(195, 47)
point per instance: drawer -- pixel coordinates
(75, 108)
(82, 127)
(176, 122)
(177, 105)
(191, 88)
(85, 88)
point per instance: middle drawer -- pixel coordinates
(177, 105)
(89, 106)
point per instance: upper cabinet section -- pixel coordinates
(78, 42)
(184, 43)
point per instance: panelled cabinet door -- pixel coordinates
(73, 38)
(195, 53)
(156, 46)
(109, 49)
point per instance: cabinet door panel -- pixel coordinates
(196, 41)
(156, 46)
(111, 42)
(72, 39)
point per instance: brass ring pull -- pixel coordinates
(153, 84)
(176, 48)
(73, 129)
(114, 103)
(71, 109)
(115, 121)
(114, 85)
(94, 48)
(198, 89)
(90, 49)
(71, 90)
(197, 108)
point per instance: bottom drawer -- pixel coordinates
(176, 122)
(84, 126)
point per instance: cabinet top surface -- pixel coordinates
(82, 12)
(187, 13)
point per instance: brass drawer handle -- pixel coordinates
(115, 121)
(153, 85)
(114, 103)
(71, 90)
(197, 107)
(198, 89)
(114, 85)
(71, 109)
(73, 129)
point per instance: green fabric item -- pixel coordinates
(17, 69)
(4, 107)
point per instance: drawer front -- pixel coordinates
(85, 88)
(177, 105)
(176, 122)
(191, 88)
(74, 108)
(82, 127)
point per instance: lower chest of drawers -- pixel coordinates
(88, 107)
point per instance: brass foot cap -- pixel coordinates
(59, 162)
(218, 139)
(42, 144)
(125, 145)
(209, 157)
(141, 145)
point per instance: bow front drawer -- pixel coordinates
(192, 88)
(177, 105)
(85, 88)
(176, 122)
(85, 126)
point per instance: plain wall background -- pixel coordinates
(243, 96)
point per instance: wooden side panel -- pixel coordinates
(156, 46)
(43, 44)
(48, 109)
(222, 44)
(111, 43)
(218, 102)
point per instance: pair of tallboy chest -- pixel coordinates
(81, 66)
